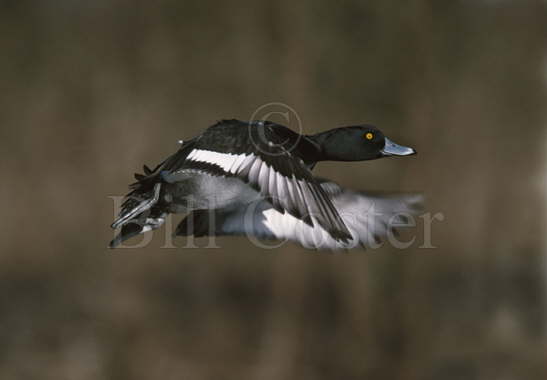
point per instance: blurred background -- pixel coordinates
(91, 90)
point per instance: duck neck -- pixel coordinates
(327, 149)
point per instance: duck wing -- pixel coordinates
(369, 219)
(257, 154)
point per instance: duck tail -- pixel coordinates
(144, 222)
(141, 210)
(137, 202)
(145, 207)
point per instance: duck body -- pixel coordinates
(254, 178)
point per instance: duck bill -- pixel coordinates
(392, 149)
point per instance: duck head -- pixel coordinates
(357, 143)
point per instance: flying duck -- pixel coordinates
(255, 178)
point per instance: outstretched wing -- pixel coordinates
(257, 154)
(368, 217)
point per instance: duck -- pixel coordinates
(254, 178)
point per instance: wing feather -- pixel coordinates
(281, 176)
(368, 217)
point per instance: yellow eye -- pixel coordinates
(369, 136)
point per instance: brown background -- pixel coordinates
(91, 90)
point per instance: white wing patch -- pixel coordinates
(230, 163)
(287, 227)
